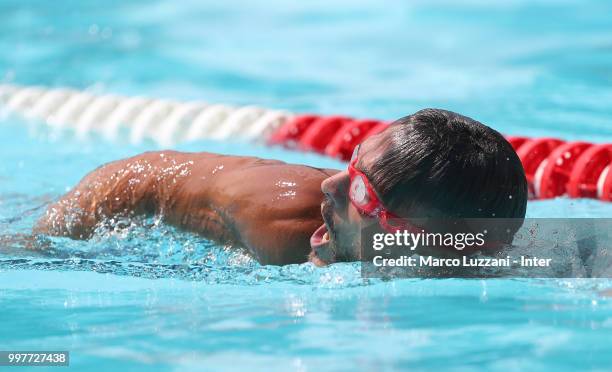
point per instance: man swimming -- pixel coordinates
(431, 164)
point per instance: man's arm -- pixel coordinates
(128, 187)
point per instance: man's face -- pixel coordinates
(339, 238)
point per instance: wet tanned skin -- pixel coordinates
(266, 206)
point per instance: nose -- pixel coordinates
(336, 187)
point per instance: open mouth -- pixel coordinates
(321, 239)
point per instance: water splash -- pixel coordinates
(148, 248)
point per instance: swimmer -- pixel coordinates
(434, 163)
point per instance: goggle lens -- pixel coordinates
(358, 191)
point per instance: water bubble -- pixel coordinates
(93, 29)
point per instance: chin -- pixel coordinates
(316, 260)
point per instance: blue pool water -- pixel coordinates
(150, 296)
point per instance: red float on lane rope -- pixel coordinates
(605, 190)
(289, 134)
(516, 142)
(551, 181)
(533, 154)
(317, 135)
(588, 170)
(346, 138)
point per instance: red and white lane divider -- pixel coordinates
(164, 121)
(553, 167)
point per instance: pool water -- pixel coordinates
(147, 296)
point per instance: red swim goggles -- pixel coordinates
(364, 198)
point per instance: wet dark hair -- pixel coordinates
(458, 166)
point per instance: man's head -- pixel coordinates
(432, 164)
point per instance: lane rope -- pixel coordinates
(163, 121)
(553, 167)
